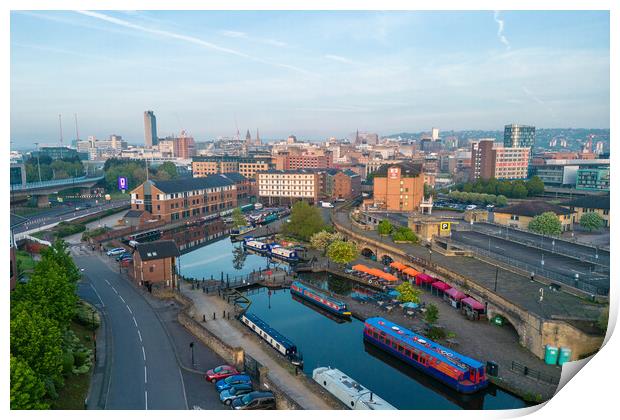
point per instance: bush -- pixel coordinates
(385, 227)
(67, 362)
(436, 333)
(84, 316)
(404, 234)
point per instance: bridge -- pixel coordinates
(538, 315)
(43, 189)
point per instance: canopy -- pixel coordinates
(424, 278)
(394, 293)
(455, 294)
(398, 265)
(410, 305)
(410, 271)
(441, 286)
(473, 303)
(360, 267)
(381, 274)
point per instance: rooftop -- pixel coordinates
(532, 209)
(133, 213)
(191, 184)
(158, 249)
(589, 202)
(407, 169)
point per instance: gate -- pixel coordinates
(251, 366)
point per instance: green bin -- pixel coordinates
(565, 354)
(551, 355)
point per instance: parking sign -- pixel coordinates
(445, 226)
(122, 183)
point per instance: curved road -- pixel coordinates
(143, 370)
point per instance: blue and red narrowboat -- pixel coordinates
(328, 303)
(464, 374)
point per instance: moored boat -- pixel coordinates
(288, 255)
(328, 303)
(256, 246)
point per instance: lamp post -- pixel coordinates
(191, 346)
(542, 260)
(430, 256)
(496, 275)
(38, 163)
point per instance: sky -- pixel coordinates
(313, 74)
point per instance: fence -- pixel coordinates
(251, 366)
(532, 373)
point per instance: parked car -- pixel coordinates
(115, 251)
(327, 204)
(257, 400)
(123, 255)
(231, 381)
(220, 372)
(471, 207)
(228, 395)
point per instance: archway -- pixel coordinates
(368, 253)
(511, 328)
(386, 259)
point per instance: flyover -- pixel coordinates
(43, 189)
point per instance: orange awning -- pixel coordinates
(360, 267)
(398, 265)
(410, 271)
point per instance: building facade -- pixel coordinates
(155, 264)
(520, 215)
(516, 135)
(184, 146)
(289, 186)
(398, 188)
(343, 185)
(246, 166)
(492, 160)
(593, 179)
(150, 129)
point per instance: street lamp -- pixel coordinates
(430, 256)
(38, 163)
(191, 346)
(496, 274)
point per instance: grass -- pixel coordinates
(25, 260)
(73, 394)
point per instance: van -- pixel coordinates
(257, 400)
(327, 204)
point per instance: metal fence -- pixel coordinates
(251, 366)
(533, 373)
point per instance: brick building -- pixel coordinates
(154, 263)
(288, 161)
(246, 166)
(342, 184)
(398, 188)
(185, 198)
(492, 160)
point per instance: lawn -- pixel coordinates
(73, 394)
(25, 261)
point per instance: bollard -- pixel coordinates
(213, 315)
(228, 315)
(223, 314)
(204, 318)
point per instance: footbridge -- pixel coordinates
(41, 190)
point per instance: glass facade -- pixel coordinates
(595, 179)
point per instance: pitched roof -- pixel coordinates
(407, 169)
(191, 184)
(589, 202)
(235, 177)
(158, 249)
(133, 213)
(532, 209)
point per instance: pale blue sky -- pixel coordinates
(314, 74)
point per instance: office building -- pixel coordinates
(286, 187)
(593, 179)
(516, 135)
(292, 161)
(246, 166)
(492, 160)
(150, 129)
(398, 188)
(184, 146)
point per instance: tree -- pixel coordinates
(168, 168)
(385, 227)
(504, 188)
(238, 218)
(408, 293)
(535, 186)
(501, 200)
(305, 221)
(428, 191)
(519, 191)
(404, 234)
(546, 224)
(432, 314)
(342, 252)
(27, 390)
(592, 221)
(322, 239)
(603, 319)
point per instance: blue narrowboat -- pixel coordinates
(320, 299)
(462, 373)
(288, 255)
(276, 340)
(256, 246)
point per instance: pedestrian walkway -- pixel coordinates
(222, 328)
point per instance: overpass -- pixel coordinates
(43, 189)
(558, 319)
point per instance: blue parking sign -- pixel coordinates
(122, 183)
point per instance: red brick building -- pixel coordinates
(154, 263)
(343, 184)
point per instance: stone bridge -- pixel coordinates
(535, 331)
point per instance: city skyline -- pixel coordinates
(326, 74)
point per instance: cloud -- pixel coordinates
(500, 29)
(188, 39)
(338, 58)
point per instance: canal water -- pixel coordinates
(324, 341)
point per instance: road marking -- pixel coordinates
(143, 354)
(146, 400)
(140, 336)
(145, 381)
(115, 291)
(99, 297)
(129, 309)
(122, 299)
(134, 321)
(107, 282)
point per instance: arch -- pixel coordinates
(386, 259)
(515, 325)
(368, 253)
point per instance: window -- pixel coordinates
(151, 269)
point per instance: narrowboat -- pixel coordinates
(236, 234)
(348, 391)
(462, 373)
(272, 337)
(288, 255)
(337, 319)
(328, 303)
(269, 218)
(256, 246)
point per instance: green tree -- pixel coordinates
(535, 186)
(468, 187)
(305, 221)
(432, 314)
(238, 218)
(546, 224)
(27, 390)
(408, 293)
(603, 319)
(504, 188)
(385, 227)
(342, 252)
(501, 200)
(592, 221)
(428, 191)
(519, 191)
(404, 234)
(322, 239)
(169, 168)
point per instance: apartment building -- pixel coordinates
(492, 160)
(246, 166)
(398, 188)
(342, 184)
(286, 187)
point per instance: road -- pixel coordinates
(143, 371)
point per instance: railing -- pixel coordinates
(53, 183)
(532, 373)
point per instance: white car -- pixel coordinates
(327, 204)
(115, 251)
(471, 207)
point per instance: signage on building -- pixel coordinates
(393, 172)
(122, 183)
(444, 227)
(138, 201)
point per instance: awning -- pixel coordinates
(473, 303)
(410, 271)
(424, 278)
(398, 265)
(360, 267)
(455, 294)
(441, 286)
(381, 274)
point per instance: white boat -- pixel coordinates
(348, 391)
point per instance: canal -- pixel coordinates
(324, 341)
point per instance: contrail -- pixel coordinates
(500, 29)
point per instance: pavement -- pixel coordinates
(222, 328)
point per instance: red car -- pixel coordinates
(220, 372)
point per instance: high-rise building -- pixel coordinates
(435, 134)
(184, 146)
(516, 135)
(491, 160)
(150, 129)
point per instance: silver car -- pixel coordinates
(236, 391)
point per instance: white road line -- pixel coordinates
(146, 400)
(107, 281)
(145, 381)
(115, 291)
(97, 293)
(129, 309)
(140, 337)
(122, 299)
(134, 321)
(143, 354)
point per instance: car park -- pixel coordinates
(231, 381)
(257, 400)
(228, 395)
(220, 372)
(115, 251)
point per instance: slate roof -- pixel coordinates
(407, 169)
(235, 177)
(191, 184)
(532, 209)
(133, 213)
(157, 250)
(589, 202)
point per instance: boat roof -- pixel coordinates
(323, 295)
(408, 338)
(272, 332)
(353, 388)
